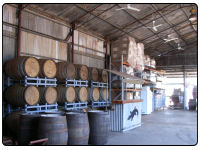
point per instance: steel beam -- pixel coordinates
(140, 20)
(90, 11)
(146, 26)
(164, 18)
(19, 29)
(94, 16)
(107, 22)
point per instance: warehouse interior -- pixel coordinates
(99, 74)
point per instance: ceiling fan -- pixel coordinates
(170, 39)
(154, 27)
(179, 47)
(129, 7)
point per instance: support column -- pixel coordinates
(19, 29)
(184, 79)
(72, 52)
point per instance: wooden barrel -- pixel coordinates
(99, 122)
(18, 95)
(82, 94)
(47, 68)
(28, 128)
(103, 75)
(13, 123)
(82, 72)
(48, 95)
(93, 74)
(104, 94)
(94, 94)
(22, 66)
(66, 70)
(194, 92)
(66, 94)
(53, 127)
(78, 128)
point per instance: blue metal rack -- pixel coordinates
(74, 83)
(33, 81)
(41, 108)
(36, 82)
(99, 84)
(75, 105)
(101, 102)
(40, 81)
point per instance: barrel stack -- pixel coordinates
(72, 128)
(22, 66)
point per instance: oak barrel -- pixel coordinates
(28, 128)
(78, 128)
(18, 95)
(104, 94)
(47, 68)
(66, 94)
(94, 94)
(53, 127)
(66, 70)
(48, 95)
(22, 66)
(82, 72)
(82, 94)
(103, 75)
(13, 123)
(99, 122)
(93, 74)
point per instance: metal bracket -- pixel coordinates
(75, 105)
(74, 83)
(41, 108)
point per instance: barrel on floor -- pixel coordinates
(53, 127)
(78, 127)
(99, 122)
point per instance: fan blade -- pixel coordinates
(155, 29)
(159, 25)
(121, 8)
(135, 9)
(147, 27)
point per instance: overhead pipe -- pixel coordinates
(19, 29)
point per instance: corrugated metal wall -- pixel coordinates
(116, 118)
(42, 37)
(9, 33)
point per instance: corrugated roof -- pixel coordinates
(111, 23)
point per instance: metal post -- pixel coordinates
(185, 101)
(122, 83)
(110, 79)
(72, 50)
(19, 29)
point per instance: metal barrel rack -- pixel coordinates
(101, 102)
(35, 82)
(74, 83)
(41, 108)
(76, 105)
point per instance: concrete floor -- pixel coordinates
(165, 127)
